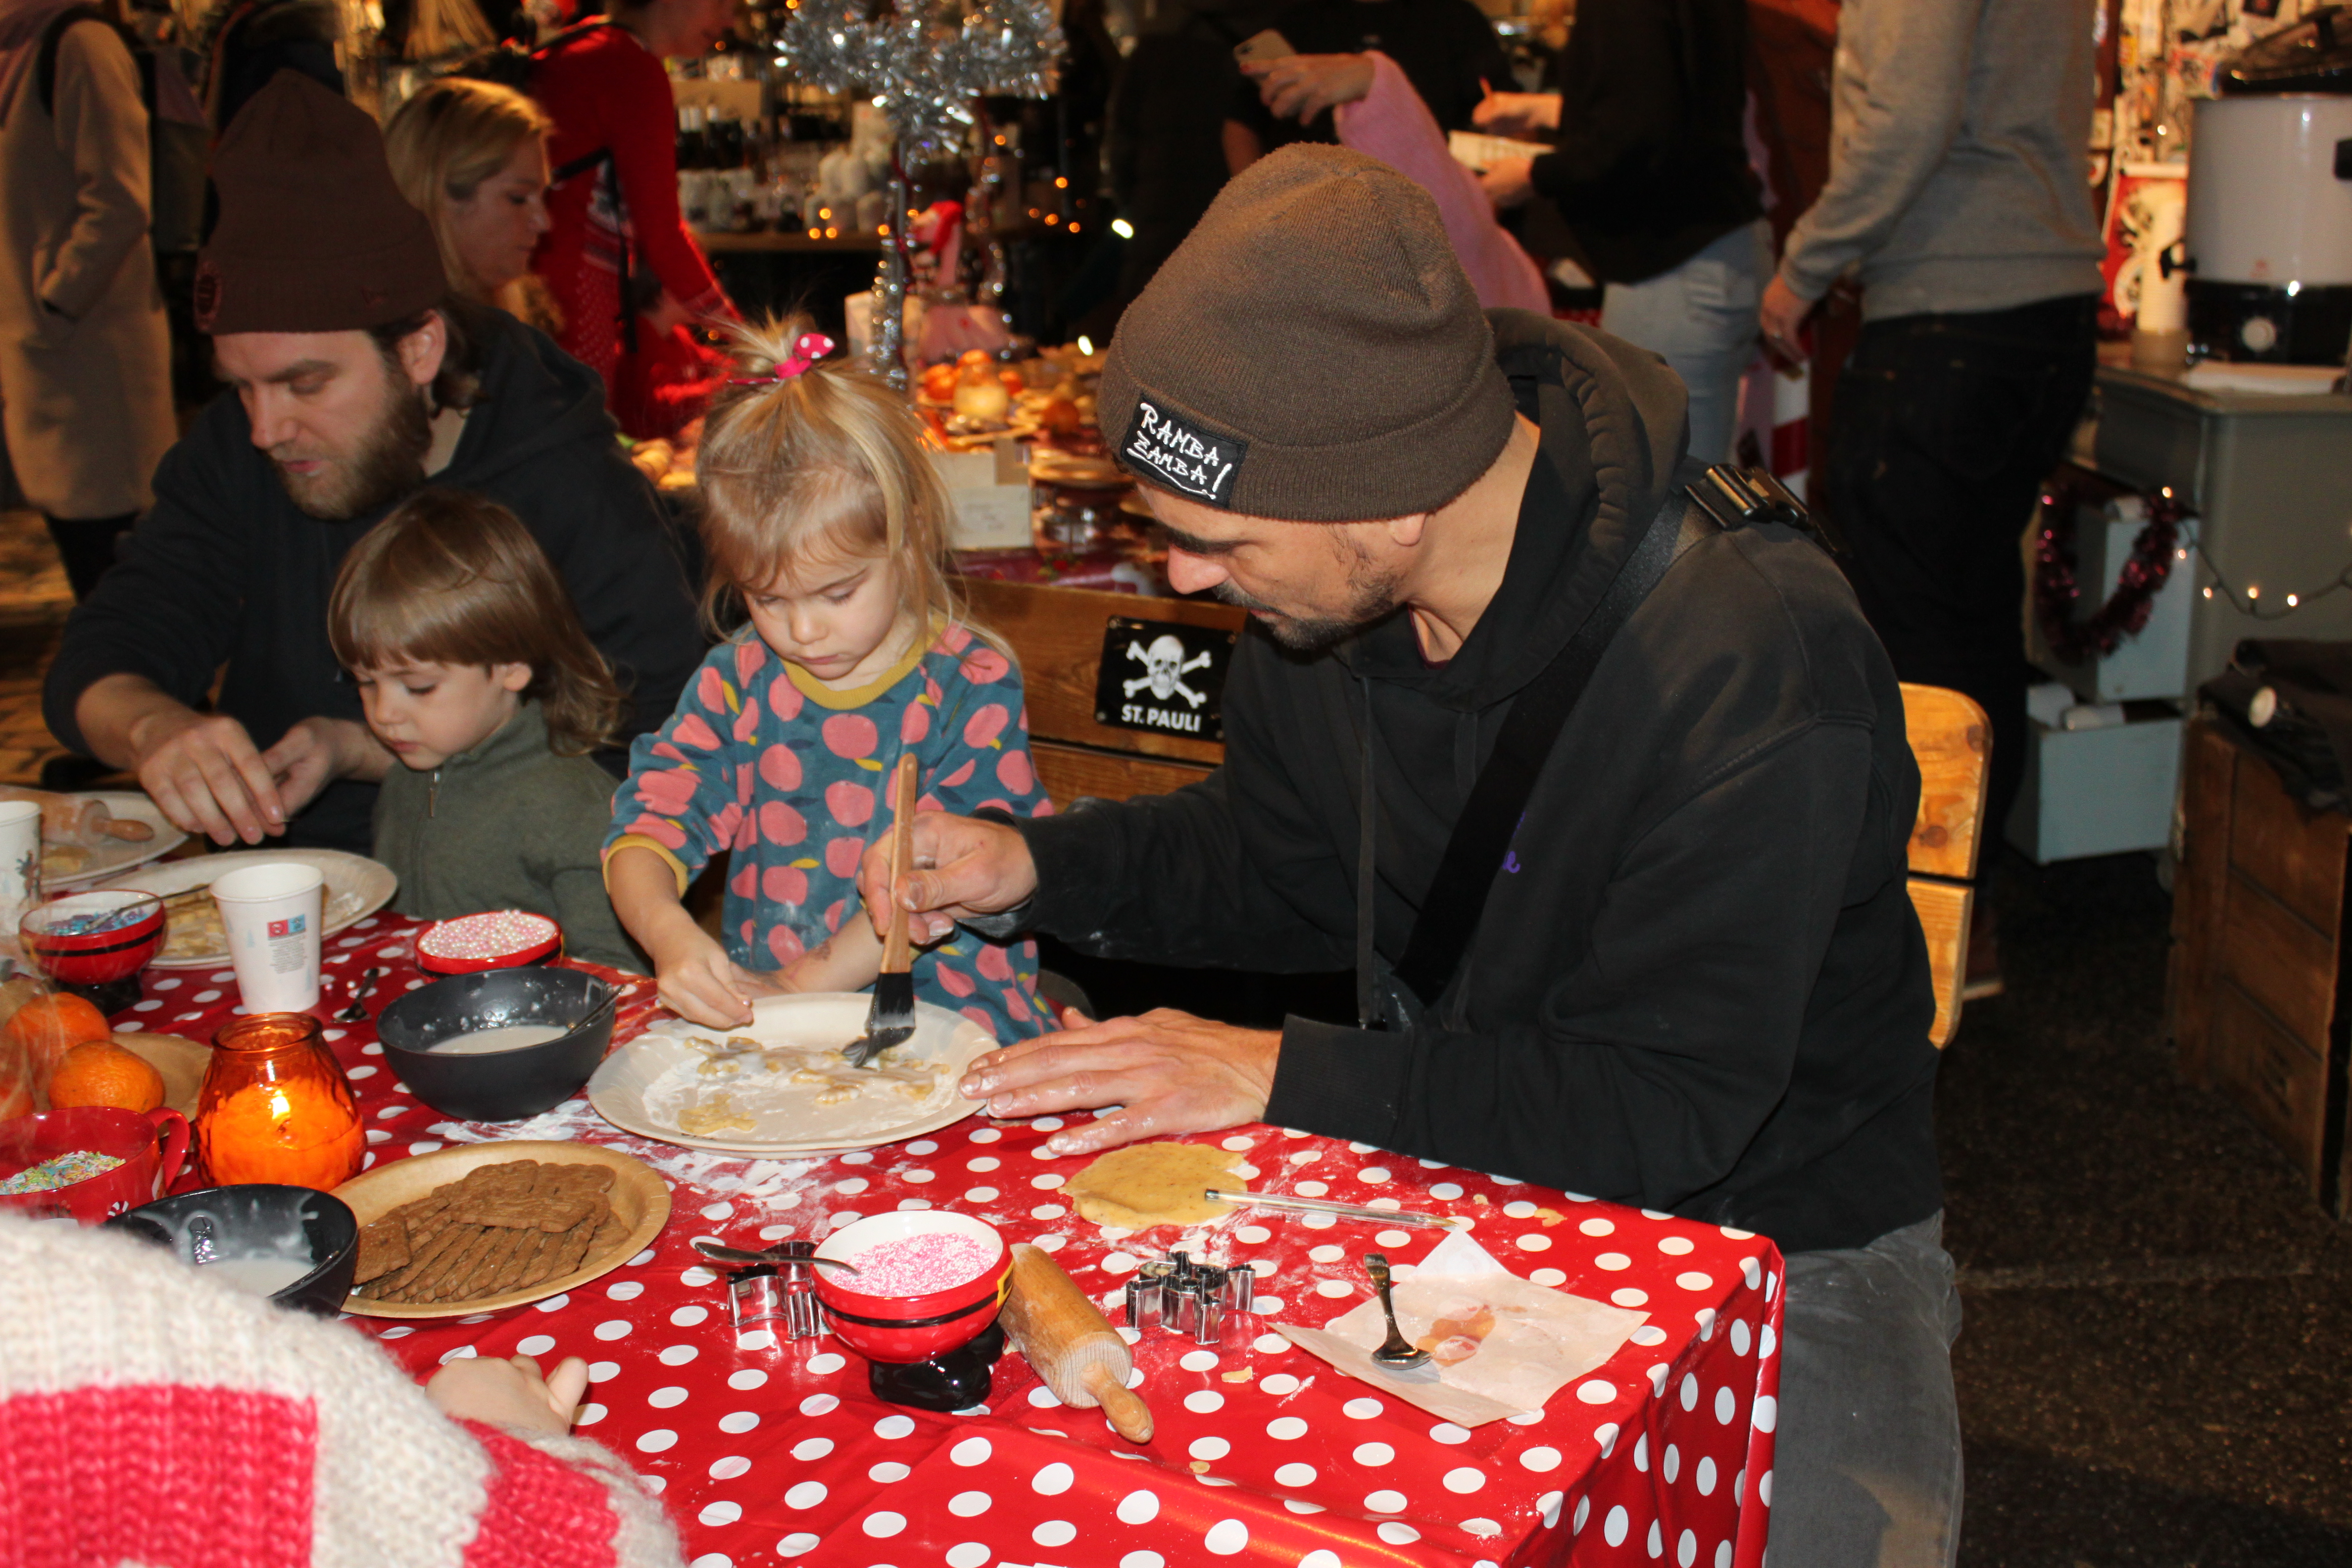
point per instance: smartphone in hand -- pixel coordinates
(1263, 48)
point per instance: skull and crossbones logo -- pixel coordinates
(1165, 667)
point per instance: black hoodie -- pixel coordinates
(225, 570)
(1698, 984)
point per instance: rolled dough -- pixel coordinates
(1146, 1184)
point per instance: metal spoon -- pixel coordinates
(718, 1253)
(355, 1014)
(1394, 1353)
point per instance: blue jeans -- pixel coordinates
(1700, 318)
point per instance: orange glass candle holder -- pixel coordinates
(276, 1107)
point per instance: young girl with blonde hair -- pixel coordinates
(825, 523)
(475, 675)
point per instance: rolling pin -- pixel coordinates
(1071, 1344)
(65, 820)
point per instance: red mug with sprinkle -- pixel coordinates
(497, 938)
(928, 1281)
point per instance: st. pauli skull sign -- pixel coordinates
(1163, 677)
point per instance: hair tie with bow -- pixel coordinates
(811, 347)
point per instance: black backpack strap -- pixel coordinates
(44, 63)
(1482, 835)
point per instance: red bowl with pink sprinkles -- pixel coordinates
(928, 1281)
(499, 938)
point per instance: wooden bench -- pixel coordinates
(1058, 635)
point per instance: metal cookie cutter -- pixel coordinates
(781, 1296)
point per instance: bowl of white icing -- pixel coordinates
(290, 1245)
(499, 1046)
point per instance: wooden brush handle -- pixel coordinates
(898, 950)
(1128, 1414)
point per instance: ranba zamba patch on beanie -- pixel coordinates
(1312, 351)
(313, 237)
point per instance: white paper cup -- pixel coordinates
(272, 914)
(20, 865)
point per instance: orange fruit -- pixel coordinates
(47, 1027)
(99, 1073)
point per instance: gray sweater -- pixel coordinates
(1958, 161)
(507, 825)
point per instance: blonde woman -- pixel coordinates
(472, 157)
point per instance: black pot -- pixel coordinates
(499, 1085)
(234, 1220)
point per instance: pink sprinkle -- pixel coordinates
(919, 1264)
(492, 935)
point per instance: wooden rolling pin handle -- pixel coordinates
(1129, 1416)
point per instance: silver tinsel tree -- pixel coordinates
(923, 65)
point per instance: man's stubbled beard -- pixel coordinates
(391, 465)
(1372, 596)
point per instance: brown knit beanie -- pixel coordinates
(1312, 351)
(314, 235)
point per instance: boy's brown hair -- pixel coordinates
(451, 578)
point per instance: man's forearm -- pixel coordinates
(119, 713)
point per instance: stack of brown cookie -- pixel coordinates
(500, 1228)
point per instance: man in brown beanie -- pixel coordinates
(355, 375)
(1606, 805)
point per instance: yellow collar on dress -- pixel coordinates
(824, 695)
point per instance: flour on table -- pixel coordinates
(741, 1085)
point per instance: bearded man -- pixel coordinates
(354, 377)
(1606, 804)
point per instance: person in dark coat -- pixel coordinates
(354, 374)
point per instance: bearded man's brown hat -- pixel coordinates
(313, 237)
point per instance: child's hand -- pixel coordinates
(509, 1392)
(701, 984)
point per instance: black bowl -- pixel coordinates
(260, 1217)
(499, 1085)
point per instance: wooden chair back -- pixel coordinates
(1953, 743)
(1058, 636)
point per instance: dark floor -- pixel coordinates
(2157, 1363)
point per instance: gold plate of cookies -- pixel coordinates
(497, 1225)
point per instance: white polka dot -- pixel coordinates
(721, 1514)
(971, 1451)
(1048, 1181)
(1043, 1397)
(862, 1157)
(980, 1196)
(1209, 1448)
(688, 1317)
(969, 1554)
(1447, 1432)
(884, 1524)
(1547, 1277)
(1385, 1502)
(1254, 1235)
(1047, 1124)
(1326, 1254)
(1739, 1336)
(1140, 1507)
(1372, 1176)
(986, 1134)
(1269, 1344)
(1048, 1211)
(1300, 1505)
(589, 1416)
(1465, 1479)
(1614, 1529)
(1675, 1246)
(1690, 1391)
(1055, 1532)
(1143, 1560)
(661, 1439)
(893, 1426)
(1767, 1415)
(1373, 1455)
(1319, 1221)
(1597, 1225)
(1596, 1391)
(1227, 1536)
(1394, 1239)
(1671, 1467)
(1535, 1241)
(1198, 1361)
(917, 1177)
(1054, 1480)
(1361, 1409)
(1334, 1288)
(1695, 1280)
(598, 1371)
(424, 1146)
(1649, 1334)
(1266, 1306)
(716, 1211)
(1764, 1490)
(1525, 1418)
(820, 1405)
(612, 1328)
(1612, 1261)
(698, 1276)
(969, 1505)
(728, 1469)
(1723, 1549)
(1750, 1271)
(664, 1398)
(1397, 1533)
(678, 1355)
(739, 1421)
(1703, 1477)
(1313, 1190)
(1629, 1297)
(535, 1344)
(627, 1290)
(1583, 1508)
(1121, 1263)
(1765, 1340)
(1540, 1459)
(1285, 1428)
(1294, 1475)
(822, 1364)
(708, 1559)
(1279, 1384)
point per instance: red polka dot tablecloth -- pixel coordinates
(766, 1452)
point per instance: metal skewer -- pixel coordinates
(1343, 1211)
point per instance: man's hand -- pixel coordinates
(316, 751)
(1171, 1072)
(1509, 182)
(206, 774)
(962, 867)
(1519, 114)
(1301, 87)
(1782, 321)
(509, 1392)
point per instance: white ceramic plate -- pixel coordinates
(356, 887)
(646, 1085)
(120, 854)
